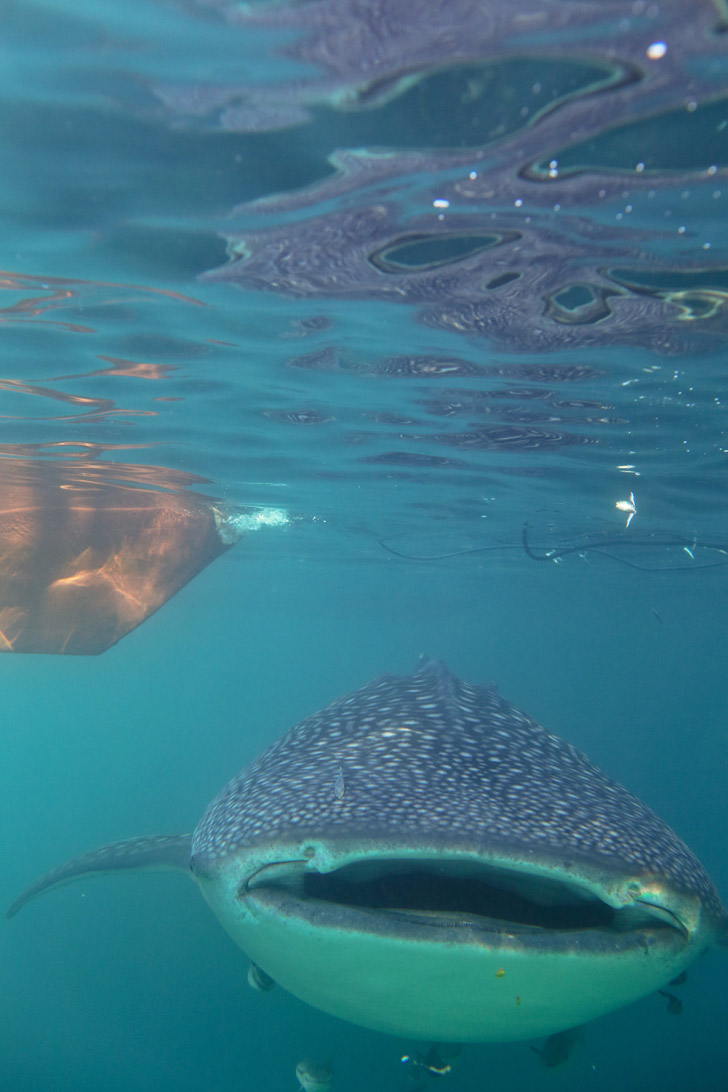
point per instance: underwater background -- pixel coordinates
(447, 285)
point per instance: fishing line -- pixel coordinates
(601, 547)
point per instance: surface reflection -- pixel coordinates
(525, 178)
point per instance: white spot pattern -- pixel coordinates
(429, 755)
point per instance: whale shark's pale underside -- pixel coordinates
(424, 859)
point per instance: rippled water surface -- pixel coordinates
(334, 332)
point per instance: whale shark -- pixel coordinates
(423, 859)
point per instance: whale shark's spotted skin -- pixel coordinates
(431, 755)
(423, 859)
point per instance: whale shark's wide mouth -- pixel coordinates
(452, 892)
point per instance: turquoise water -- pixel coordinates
(419, 348)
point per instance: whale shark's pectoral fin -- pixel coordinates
(153, 854)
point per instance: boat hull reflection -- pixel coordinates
(85, 558)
